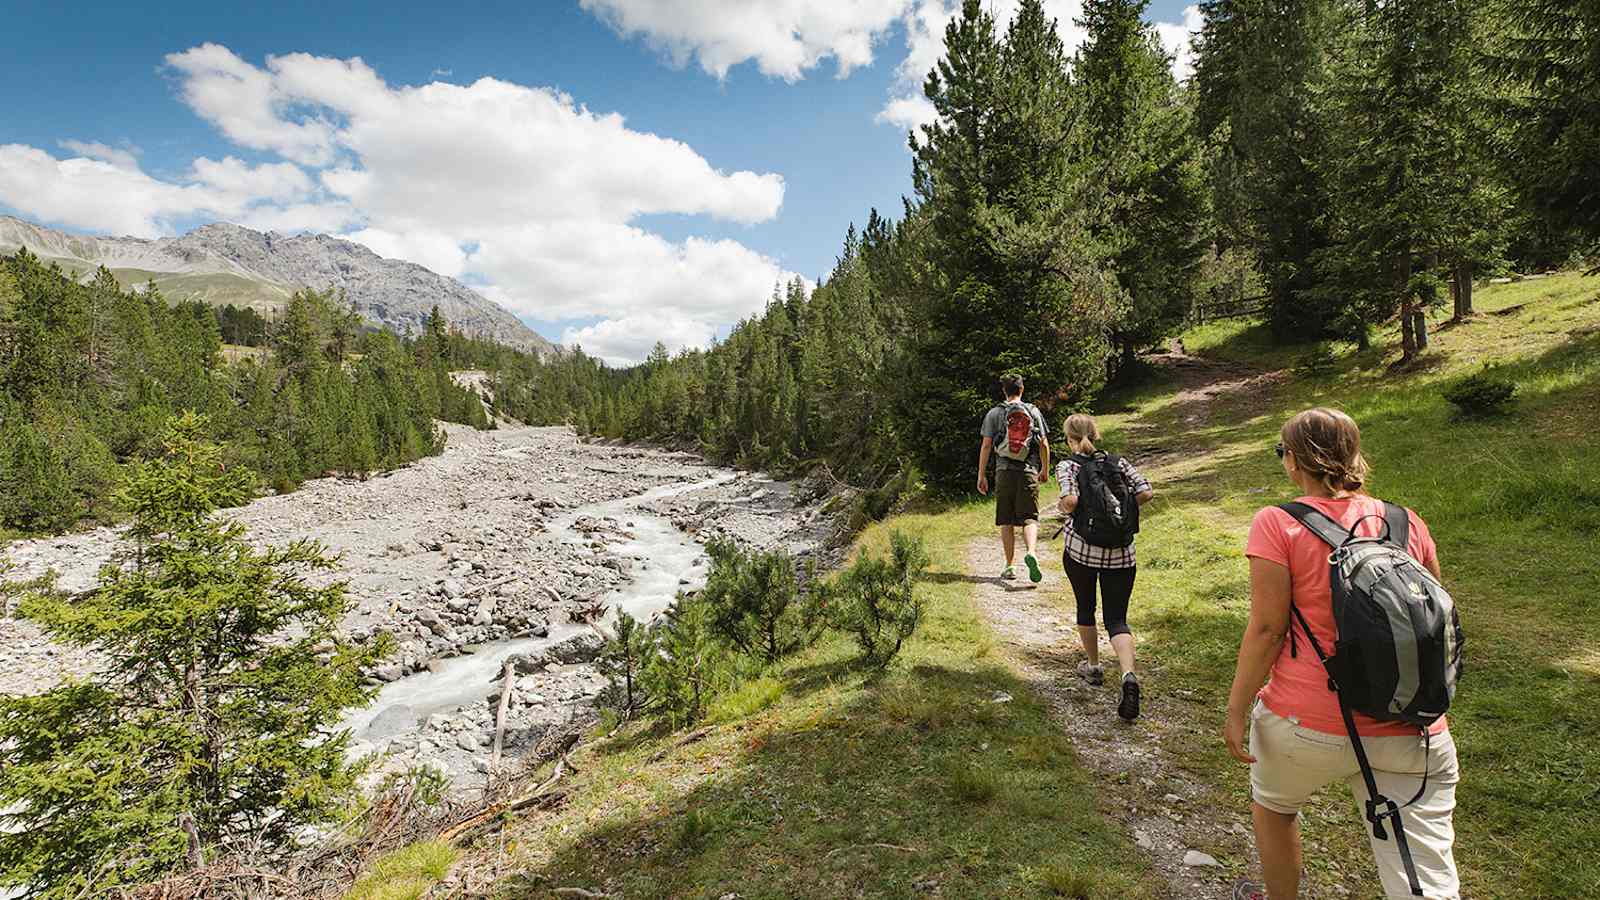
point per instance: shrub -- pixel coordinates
(1319, 361)
(752, 600)
(622, 662)
(213, 719)
(1483, 394)
(689, 665)
(876, 600)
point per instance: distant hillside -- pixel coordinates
(222, 263)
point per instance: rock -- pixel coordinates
(451, 587)
(389, 672)
(485, 613)
(580, 648)
(1196, 859)
(470, 741)
(392, 720)
(1143, 840)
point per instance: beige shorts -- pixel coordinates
(1294, 762)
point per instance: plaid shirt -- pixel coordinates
(1080, 550)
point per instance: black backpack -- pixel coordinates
(1398, 653)
(1107, 514)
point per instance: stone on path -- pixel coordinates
(1195, 858)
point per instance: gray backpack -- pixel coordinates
(1398, 653)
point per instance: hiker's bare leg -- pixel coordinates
(1008, 540)
(1278, 839)
(1090, 636)
(1030, 536)
(1123, 644)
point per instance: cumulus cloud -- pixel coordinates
(121, 157)
(788, 38)
(118, 197)
(1178, 39)
(784, 38)
(618, 341)
(521, 191)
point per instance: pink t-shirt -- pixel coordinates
(1298, 686)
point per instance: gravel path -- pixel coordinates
(1143, 787)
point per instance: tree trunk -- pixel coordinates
(1419, 329)
(1402, 280)
(1462, 288)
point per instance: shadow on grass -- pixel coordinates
(921, 782)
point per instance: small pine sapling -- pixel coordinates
(628, 647)
(876, 599)
(753, 600)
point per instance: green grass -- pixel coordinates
(405, 874)
(1514, 505)
(825, 778)
(830, 779)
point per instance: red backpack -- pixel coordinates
(1017, 445)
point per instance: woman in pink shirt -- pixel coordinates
(1297, 742)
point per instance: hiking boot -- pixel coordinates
(1128, 709)
(1092, 674)
(1035, 575)
(1010, 574)
(1249, 890)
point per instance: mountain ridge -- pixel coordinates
(223, 263)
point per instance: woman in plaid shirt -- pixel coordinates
(1112, 567)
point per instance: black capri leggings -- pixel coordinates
(1116, 587)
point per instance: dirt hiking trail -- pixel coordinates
(1142, 787)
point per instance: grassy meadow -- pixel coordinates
(825, 779)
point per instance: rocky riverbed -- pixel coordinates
(497, 549)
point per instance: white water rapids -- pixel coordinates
(667, 558)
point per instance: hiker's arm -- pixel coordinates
(1044, 459)
(983, 464)
(1067, 503)
(1144, 496)
(1263, 639)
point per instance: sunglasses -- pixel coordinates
(1279, 450)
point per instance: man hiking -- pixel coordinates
(1014, 432)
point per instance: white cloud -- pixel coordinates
(122, 158)
(247, 105)
(631, 338)
(785, 38)
(925, 25)
(118, 197)
(520, 190)
(1177, 39)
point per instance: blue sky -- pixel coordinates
(753, 133)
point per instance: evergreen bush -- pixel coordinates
(690, 664)
(215, 717)
(1484, 394)
(876, 599)
(752, 597)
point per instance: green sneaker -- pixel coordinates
(1035, 574)
(1010, 574)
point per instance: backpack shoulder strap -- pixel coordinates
(1317, 522)
(1399, 522)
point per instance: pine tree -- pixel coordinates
(215, 717)
(1551, 50)
(1012, 278)
(1141, 127)
(35, 488)
(1396, 162)
(1260, 73)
